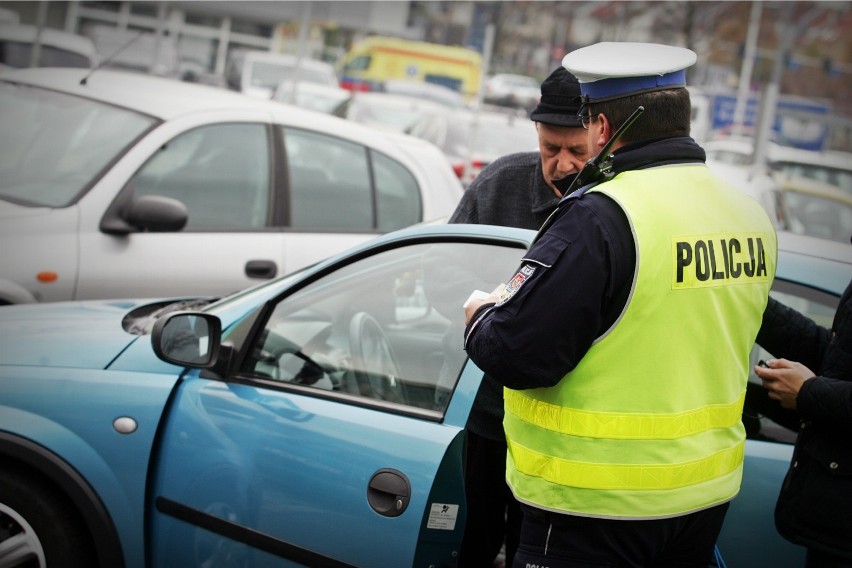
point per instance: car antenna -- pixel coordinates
(597, 170)
(109, 59)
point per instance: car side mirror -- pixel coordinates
(157, 213)
(188, 339)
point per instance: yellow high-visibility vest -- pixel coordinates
(648, 424)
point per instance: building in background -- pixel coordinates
(195, 39)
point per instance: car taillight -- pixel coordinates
(357, 86)
(474, 169)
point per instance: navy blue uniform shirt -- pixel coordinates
(571, 285)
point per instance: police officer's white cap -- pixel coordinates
(611, 70)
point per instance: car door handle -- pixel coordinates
(389, 492)
(261, 269)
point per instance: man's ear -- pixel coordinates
(606, 130)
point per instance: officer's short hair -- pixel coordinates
(667, 113)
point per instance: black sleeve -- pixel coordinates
(828, 401)
(788, 334)
(570, 287)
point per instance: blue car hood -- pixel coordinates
(64, 334)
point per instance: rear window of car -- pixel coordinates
(54, 146)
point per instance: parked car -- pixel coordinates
(828, 166)
(316, 419)
(387, 111)
(423, 90)
(513, 90)
(129, 185)
(258, 73)
(473, 139)
(795, 203)
(57, 48)
(314, 96)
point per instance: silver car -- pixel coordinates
(116, 184)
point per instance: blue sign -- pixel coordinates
(797, 131)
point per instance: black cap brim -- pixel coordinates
(556, 119)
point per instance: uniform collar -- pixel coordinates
(659, 151)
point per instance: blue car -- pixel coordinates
(316, 419)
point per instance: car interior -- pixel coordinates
(387, 328)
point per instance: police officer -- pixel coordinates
(623, 338)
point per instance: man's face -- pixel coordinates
(564, 150)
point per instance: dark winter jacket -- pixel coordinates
(814, 507)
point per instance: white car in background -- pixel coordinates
(261, 72)
(57, 48)
(828, 166)
(117, 184)
(324, 98)
(472, 139)
(514, 90)
(796, 204)
(388, 111)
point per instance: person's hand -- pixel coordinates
(783, 379)
(474, 303)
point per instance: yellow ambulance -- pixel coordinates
(376, 59)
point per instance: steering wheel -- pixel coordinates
(373, 361)
(267, 361)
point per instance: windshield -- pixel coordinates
(53, 146)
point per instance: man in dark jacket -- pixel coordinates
(513, 191)
(815, 500)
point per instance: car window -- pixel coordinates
(398, 196)
(804, 213)
(53, 146)
(360, 63)
(387, 328)
(220, 172)
(330, 186)
(763, 417)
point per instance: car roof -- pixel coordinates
(159, 97)
(167, 99)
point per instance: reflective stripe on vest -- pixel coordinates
(634, 425)
(648, 424)
(627, 476)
